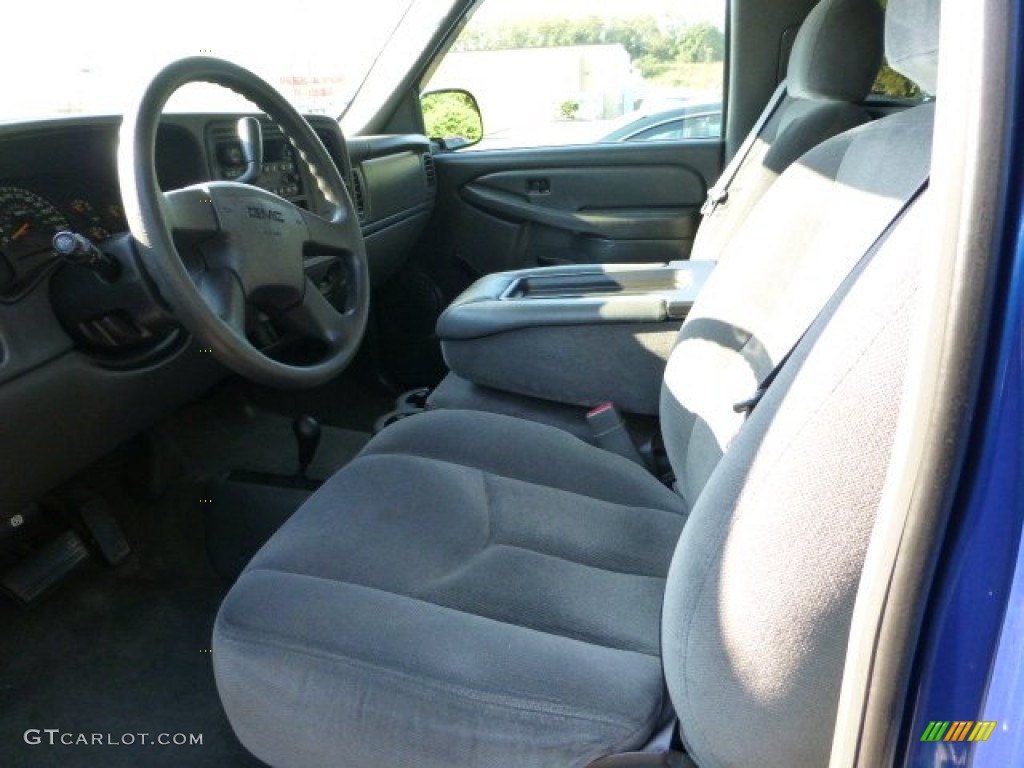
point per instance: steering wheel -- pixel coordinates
(218, 250)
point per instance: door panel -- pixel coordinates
(511, 209)
(627, 203)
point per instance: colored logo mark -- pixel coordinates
(958, 730)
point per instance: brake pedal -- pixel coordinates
(32, 577)
(105, 531)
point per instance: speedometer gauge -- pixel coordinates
(27, 225)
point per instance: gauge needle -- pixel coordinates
(21, 231)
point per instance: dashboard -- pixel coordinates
(62, 175)
(80, 372)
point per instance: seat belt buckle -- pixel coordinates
(610, 433)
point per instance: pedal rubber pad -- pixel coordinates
(105, 531)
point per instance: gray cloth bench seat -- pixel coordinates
(476, 590)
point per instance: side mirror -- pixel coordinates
(452, 117)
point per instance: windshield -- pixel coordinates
(69, 57)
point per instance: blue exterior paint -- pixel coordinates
(1005, 700)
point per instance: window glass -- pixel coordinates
(891, 83)
(702, 126)
(555, 72)
(316, 52)
(666, 132)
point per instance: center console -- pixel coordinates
(578, 336)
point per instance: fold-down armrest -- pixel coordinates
(554, 296)
(579, 335)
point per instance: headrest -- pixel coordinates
(837, 52)
(912, 40)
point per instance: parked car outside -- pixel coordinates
(690, 120)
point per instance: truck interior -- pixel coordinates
(353, 449)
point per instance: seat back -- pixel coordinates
(762, 584)
(776, 274)
(835, 58)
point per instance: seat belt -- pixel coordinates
(748, 405)
(719, 193)
(610, 433)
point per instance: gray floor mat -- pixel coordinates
(121, 653)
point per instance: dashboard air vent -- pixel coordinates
(429, 170)
(358, 196)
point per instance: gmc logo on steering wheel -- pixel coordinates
(265, 213)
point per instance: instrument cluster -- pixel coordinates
(29, 219)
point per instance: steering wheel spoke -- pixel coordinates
(329, 234)
(315, 317)
(190, 210)
(223, 293)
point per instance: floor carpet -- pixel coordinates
(123, 652)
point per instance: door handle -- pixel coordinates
(615, 224)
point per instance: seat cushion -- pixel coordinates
(472, 590)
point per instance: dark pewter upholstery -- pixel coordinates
(835, 58)
(912, 41)
(762, 585)
(489, 593)
(773, 279)
(476, 590)
(837, 51)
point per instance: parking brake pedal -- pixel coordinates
(105, 531)
(46, 567)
